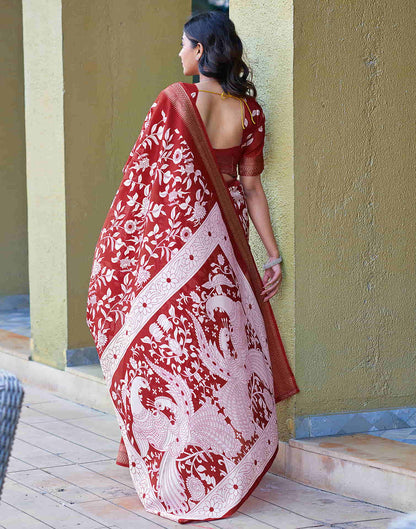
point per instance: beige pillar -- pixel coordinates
(92, 69)
(266, 29)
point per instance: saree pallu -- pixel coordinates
(190, 352)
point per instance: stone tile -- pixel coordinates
(352, 470)
(12, 518)
(43, 482)
(30, 415)
(375, 451)
(82, 437)
(238, 520)
(344, 423)
(317, 504)
(66, 410)
(44, 509)
(87, 479)
(16, 465)
(14, 302)
(133, 504)
(329, 425)
(268, 513)
(111, 470)
(242, 521)
(381, 523)
(390, 419)
(396, 432)
(32, 454)
(35, 395)
(105, 425)
(14, 343)
(303, 427)
(57, 445)
(118, 518)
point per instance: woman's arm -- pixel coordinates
(259, 212)
(258, 209)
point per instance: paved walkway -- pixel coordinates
(62, 475)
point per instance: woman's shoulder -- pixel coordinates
(257, 118)
(254, 104)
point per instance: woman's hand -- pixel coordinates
(271, 281)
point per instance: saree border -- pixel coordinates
(181, 101)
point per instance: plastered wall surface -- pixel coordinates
(354, 115)
(117, 57)
(13, 212)
(266, 30)
(339, 96)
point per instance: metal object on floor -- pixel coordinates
(11, 398)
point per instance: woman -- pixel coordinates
(187, 340)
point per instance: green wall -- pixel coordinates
(117, 57)
(13, 211)
(355, 221)
(337, 82)
(266, 30)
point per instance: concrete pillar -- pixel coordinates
(266, 30)
(92, 69)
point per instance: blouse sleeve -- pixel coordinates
(251, 162)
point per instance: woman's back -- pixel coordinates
(235, 128)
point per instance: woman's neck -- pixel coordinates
(208, 82)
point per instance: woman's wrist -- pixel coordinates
(272, 262)
(274, 255)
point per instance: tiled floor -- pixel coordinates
(15, 314)
(405, 435)
(62, 475)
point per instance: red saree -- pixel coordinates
(190, 352)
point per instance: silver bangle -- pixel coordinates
(272, 263)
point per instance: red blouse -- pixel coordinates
(247, 157)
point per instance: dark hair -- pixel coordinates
(223, 50)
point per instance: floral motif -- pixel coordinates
(177, 156)
(195, 487)
(199, 212)
(186, 232)
(130, 226)
(144, 305)
(235, 486)
(101, 339)
(142, 276)
(96, 267)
